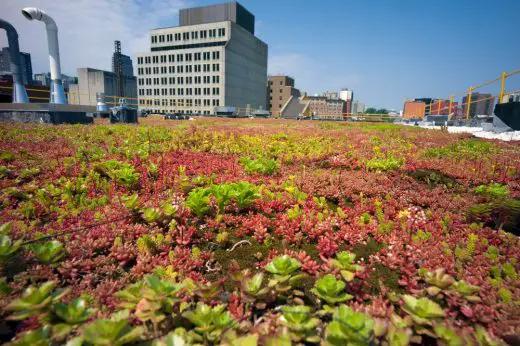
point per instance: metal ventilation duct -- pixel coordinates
(57, 92)
(19, 92)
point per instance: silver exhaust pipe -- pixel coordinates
(57, 92)
(19, 92)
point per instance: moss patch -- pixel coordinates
(365, 250)
(433, 178)
(385, 276)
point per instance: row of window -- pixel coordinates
(164, 58)
(179, 80)
(180, 69)
(186, 36)
(179, 91)
(180, 102)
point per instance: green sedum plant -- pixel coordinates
(210, 322)
(284, 269)
(331, 290)
(70, 315)
(110, 332)
(298, 319)
(423, 311)
(48, 252)
(35, 302)
(260, 165)
(344, 261)
(349, 327)
(38, 337)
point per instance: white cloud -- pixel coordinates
(87, 29)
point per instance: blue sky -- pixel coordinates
(386, 51)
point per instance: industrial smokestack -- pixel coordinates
(57, 92)
(19, 92)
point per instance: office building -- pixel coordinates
(280, 90)
(25, 61)
(347, 95)
(210, 61)
(92, 81)
(126, 65)
(358, 107)
(481, 104)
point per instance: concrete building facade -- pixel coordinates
(92, 81)
(211, 60)
(279, 91)
(358, 107)
(25, 61)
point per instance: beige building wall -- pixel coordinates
(279, 90)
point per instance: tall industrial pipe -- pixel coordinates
(19, 92)
(57, 92)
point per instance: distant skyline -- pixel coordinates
(386, 51)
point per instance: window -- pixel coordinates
(216, 79)
(185, 36)
(154, 39)
(205, 56)
(216, 55)
(188, 56)
(203, 34)
(180, 69)
(189, 80)
(194, 35)
(171, 58)
(197, 56)
(171, 80)
(197, 80)
(221, 32)
(213, 33)
(197, 68)
(179, 57)
(177, 37)
(216, 67)
(189, 69)
(171, 69)
(280, 98)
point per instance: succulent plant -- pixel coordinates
(283, 266)
(35, 302)
(331, 290)
(38, 337)
(7, 247)
(210, 322)
(423, 311)
(109, 332)
(349, 328)
(300, 322)
(284, 270)
(448, 335)
(70, 315)
(344, 261)
(48, 252)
